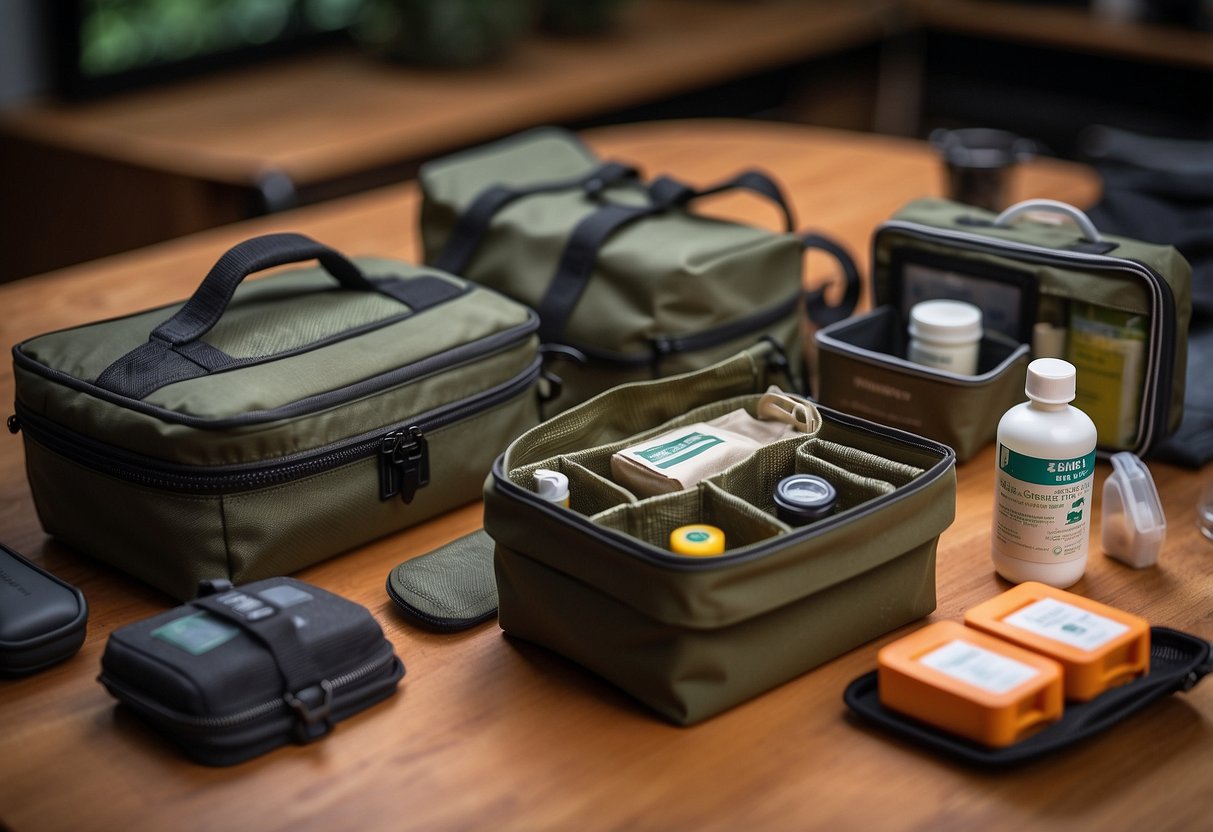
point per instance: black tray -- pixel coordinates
(1177, 662)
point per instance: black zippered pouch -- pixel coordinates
(238, 672)
(1177, 662)
(264, 425)
(42, 617)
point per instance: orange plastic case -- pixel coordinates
(1098, 646)
(970, 684)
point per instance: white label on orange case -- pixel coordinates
(1066, 623)
(978, 667)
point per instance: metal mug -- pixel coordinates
(978, 163)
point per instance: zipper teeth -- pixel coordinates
(1159, 288)
(278, 471)
(253, 712)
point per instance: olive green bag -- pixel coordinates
(691, 637)
(1116, 308)
(258, 428)
(629, 283)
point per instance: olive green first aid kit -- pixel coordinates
(260, 427)
(629, 283)
(597, 581)
(1116, 308)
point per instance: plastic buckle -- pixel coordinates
(314, 708)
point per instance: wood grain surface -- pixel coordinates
(489, 732)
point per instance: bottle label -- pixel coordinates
(1043, 506)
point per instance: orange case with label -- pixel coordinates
(1088, 673)
(932, 696)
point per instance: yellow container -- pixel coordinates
(698, 540)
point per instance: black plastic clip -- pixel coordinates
(314, 708)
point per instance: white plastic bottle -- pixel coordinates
(1045, 468)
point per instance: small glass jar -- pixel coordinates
(804, 498)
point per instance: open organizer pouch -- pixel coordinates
(1116, 308)
(691, 637)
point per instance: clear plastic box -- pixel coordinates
(1133, 526)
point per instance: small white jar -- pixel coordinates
(946, 335)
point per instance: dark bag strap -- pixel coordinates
(821, 313)
(473, 223)
(174, 351)
(592, 232)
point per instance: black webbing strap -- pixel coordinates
(820, 312)
(174, 351)
(305, 688)
(592, 232)
(473, 223)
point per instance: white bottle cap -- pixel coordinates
(551, 485)
(945, 321)
(1050, 381)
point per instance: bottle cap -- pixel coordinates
(697, 540)
(551, 485)
(1050, 381)
(946, 321)
(803, 498)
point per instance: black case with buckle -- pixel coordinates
(237, 672)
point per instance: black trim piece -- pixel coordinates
(153, 473)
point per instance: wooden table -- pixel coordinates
(488, 732)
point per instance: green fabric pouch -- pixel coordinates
(263, 426)
(1116, 308)
(691, 637)
(628, 281)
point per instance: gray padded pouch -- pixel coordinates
(449, 589)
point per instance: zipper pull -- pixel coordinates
(404, 464)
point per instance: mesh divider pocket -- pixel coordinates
(652, 519)
(753, 480)
(589, 493)
(859, 462)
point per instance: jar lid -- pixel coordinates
(1050, 381)
(802, 498)
(949, 321)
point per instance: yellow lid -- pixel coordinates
(698, 540)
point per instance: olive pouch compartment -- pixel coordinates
(1025, 273)
(237, 672)
(693, 637)
(863, 370)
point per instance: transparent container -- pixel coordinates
(1133, 526)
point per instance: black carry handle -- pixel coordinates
(208, 303)
(821, 313)
(591, 233)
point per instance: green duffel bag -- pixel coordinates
(628, 281)
(692, 636)
(258, 428)
(1116, 308)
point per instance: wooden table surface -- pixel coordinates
(488, 732)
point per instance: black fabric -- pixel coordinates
(820, 312)
(419, 293)
(1161, 191)
(473, 224)
(1177, 662)
(668, 192)
(148, 367)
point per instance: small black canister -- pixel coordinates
(803, 498)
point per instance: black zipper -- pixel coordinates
(1156, 386)
(652, 554)
(662, 346)
(408, 462)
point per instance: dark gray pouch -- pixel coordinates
(42, 618)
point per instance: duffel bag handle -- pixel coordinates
(1053, 206)
(209, 301)
(666, 192)
(821, 313)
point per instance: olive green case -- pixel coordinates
(1025, 271)
(262, 426)
(691, 637)
(629, 282)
